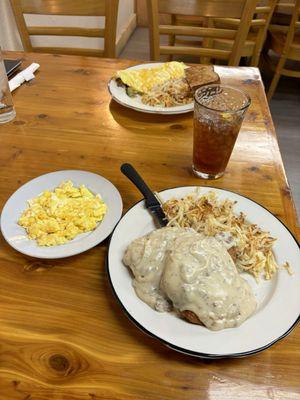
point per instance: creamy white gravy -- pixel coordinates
(189, 271)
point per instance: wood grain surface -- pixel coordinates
(63, 336)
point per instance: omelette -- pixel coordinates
(145, 79)
(54, 218)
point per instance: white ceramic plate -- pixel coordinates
(15, 235)
(278, 300)
(118, 93)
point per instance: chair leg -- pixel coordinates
(276, 76)
(172, 38)
(254, 60)
(171, 41)
(273, 85)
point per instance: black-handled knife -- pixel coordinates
(151, 200)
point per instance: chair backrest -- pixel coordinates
(237, 9)
(107, 8)
(285, 7)
(291, 49)
(258, 27)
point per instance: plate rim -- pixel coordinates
(177, 348)
(147, 111)
(70, 253)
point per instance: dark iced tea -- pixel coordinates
(218, 115)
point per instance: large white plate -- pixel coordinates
(278, 300)
(15, 235)
(118, 93)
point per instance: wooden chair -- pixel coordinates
(253, 45)
(283, 12)
(107, 8)
(208, 10)
(285, 42)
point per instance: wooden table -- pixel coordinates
(62, 333)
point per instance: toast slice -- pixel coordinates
(200, 75)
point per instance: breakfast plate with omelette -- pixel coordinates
(61, 214)
(160, 88)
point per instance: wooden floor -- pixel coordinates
(285, 110)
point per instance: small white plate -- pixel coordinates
(278, 300)
(118, 93)
(15, 235)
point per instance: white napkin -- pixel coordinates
(25, 75)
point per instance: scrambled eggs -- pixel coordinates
(54, 218)
(143, 80)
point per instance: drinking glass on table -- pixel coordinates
(7, 111)
(218, 115)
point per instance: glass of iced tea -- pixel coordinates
(218, 115)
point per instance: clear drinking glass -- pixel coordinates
(7, 111)
(218, 115)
